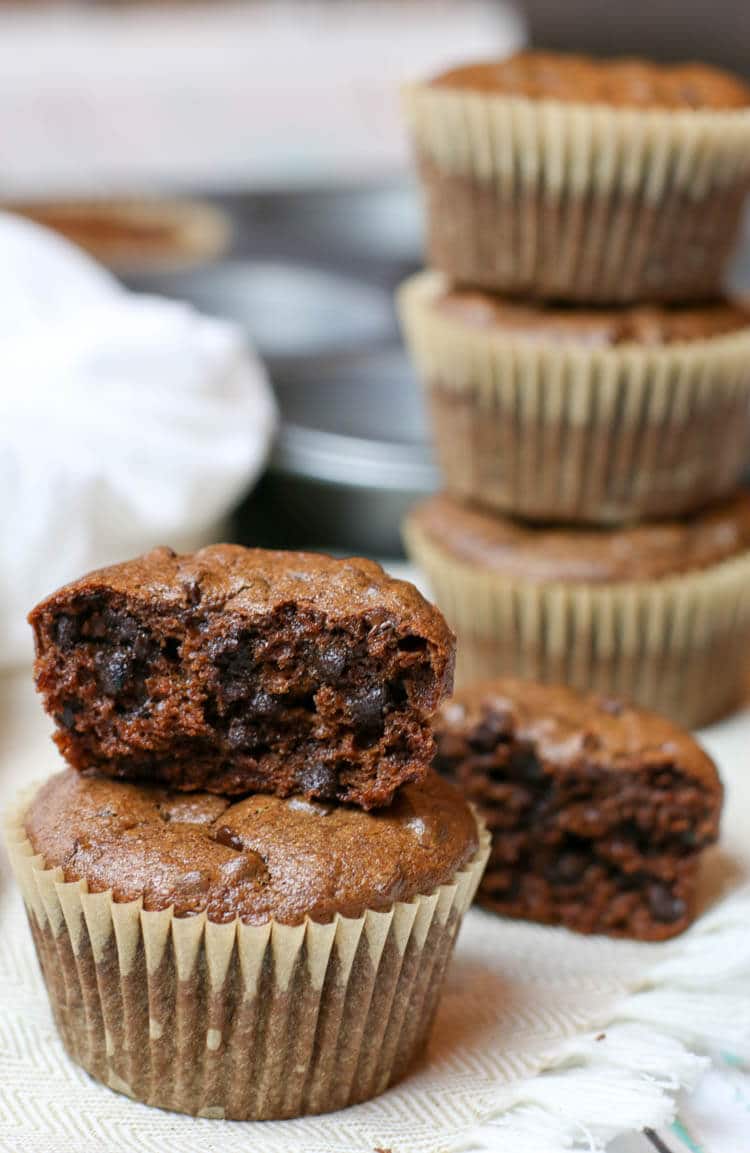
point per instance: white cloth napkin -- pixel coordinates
(125, 421)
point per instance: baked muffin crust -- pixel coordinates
(540, 554)
(619, 82)
(257, 858)
(648, 325)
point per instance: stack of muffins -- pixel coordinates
(589, 385)
(245, 889)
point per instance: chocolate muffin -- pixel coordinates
(600, 813)
(236, 670)
(658, 613)
(571, 178)
(582, 415)
(251, 959)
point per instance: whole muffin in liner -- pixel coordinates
(658, 614)
(599, 416)
(575, 179)
(233, 1019)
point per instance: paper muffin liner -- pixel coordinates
(575, 433)
(679, 646)
(575, 201)
(234, 1020)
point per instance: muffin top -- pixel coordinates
(649, 325)
(253, 581)
(650, 551)
(257, 858)
(624, 82)
(566, 728)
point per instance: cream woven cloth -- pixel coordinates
(545, 1041)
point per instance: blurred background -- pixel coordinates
(249, 158)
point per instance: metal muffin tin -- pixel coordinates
(351, 457)
(352, 454)
(290, 311)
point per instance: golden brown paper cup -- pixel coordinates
(579, 202)
(577, 434)
(237, 1021)
(679, 646)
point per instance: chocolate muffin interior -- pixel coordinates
(197, 685)
(598, 842)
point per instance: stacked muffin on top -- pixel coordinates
(588, 383)
(245, 890)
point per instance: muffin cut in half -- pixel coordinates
(236, 670)
(257, 959)
(599, 415)
(572, 178)
(599, 812)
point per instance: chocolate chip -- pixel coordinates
(67, 717)
(226, 836)
(664, 906)
(264, 705)
(238, 734)
(318, 780)
(249, 867)
(235, 665)
(367, 706)
(122, 627)
(330, 662)
(142, 647)
(113, 670)
(66, 632)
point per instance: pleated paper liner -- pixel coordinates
(233, 1020)
(679, 646)
(576, 201)
(600, 435)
